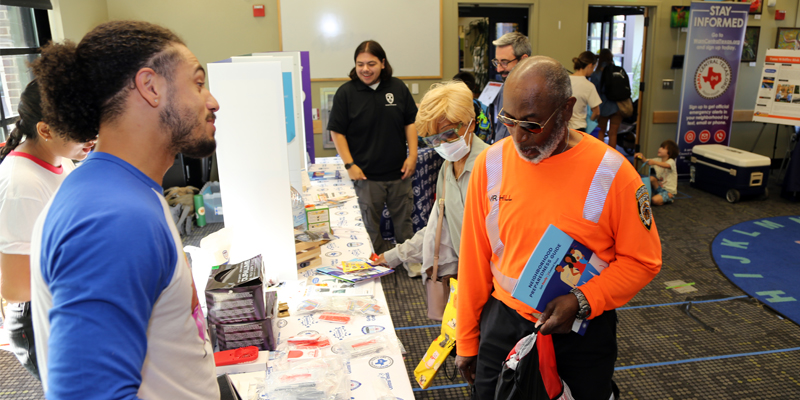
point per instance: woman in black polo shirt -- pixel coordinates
(372, 125)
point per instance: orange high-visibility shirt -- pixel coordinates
(553, 192)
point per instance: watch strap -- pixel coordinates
(348, 165)
(584, 310)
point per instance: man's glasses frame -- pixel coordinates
(532, 127)
(504, 63)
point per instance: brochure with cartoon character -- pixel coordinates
(557, 265)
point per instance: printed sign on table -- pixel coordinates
(713, 52)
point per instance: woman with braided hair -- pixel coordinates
(33, 162)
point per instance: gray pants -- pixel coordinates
(19, 326)
(399, 199)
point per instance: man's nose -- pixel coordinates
(212, 104)
(520, 135)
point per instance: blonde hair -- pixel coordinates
(451, 100)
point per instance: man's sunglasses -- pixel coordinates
(532, 127)
(448, 136)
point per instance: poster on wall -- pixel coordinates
(788, 39)
(778, 100)
(713, 52)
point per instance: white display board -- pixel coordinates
(778, 100)
(409, 31)
(253, 163)
(293, 102)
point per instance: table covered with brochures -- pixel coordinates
(352, 320)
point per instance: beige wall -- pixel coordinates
(213, 29)
(71, 19)
(217, 29)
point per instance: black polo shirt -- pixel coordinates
(374, 122)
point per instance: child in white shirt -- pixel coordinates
(665, 183)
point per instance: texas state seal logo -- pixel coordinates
(712, 77)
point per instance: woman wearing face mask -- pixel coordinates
(446, 122)
(30, 173)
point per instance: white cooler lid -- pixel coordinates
(730, 156)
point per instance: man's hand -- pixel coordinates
(559, 315)
(356, 173)
(466, 365)
(409, 166)
(382, 260)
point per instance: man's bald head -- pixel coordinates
(543, 77)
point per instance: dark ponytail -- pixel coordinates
(88, 83)
(30, 114)
(606, 58)
(584, 59)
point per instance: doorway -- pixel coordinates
(479, 26)
(623, 30)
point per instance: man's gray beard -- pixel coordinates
(547, 148)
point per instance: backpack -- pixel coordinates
(530, 373)
(615, 83)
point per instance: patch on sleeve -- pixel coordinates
(643, 204)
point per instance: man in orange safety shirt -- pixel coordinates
(547, 174)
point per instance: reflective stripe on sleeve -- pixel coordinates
(601, 184)
(592, 209)
(494, 175)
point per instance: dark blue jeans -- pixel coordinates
(19, 326)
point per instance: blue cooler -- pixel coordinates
(728, 172)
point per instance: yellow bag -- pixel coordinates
(442, 346)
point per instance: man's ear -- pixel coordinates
(568, 108)
(150, 86)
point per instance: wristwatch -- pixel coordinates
(348, 165)
(585, 310)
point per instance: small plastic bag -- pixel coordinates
(382, 391)
(365, 345)
(308, 340)
(364, 307)
(318, 379)
(295, 383)
(335, 317)
(302, 338)
(311, 305)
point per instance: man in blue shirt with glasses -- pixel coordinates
(512, 48)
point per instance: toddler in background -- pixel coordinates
(665, 183)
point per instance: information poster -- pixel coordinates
(778, 99)
(713, 50)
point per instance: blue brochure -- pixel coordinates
(558, 264)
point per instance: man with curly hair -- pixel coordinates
(114, 305)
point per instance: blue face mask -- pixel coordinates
(456, 150)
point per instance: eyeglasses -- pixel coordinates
(448, 136)
(532, 127)
(504, 63)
